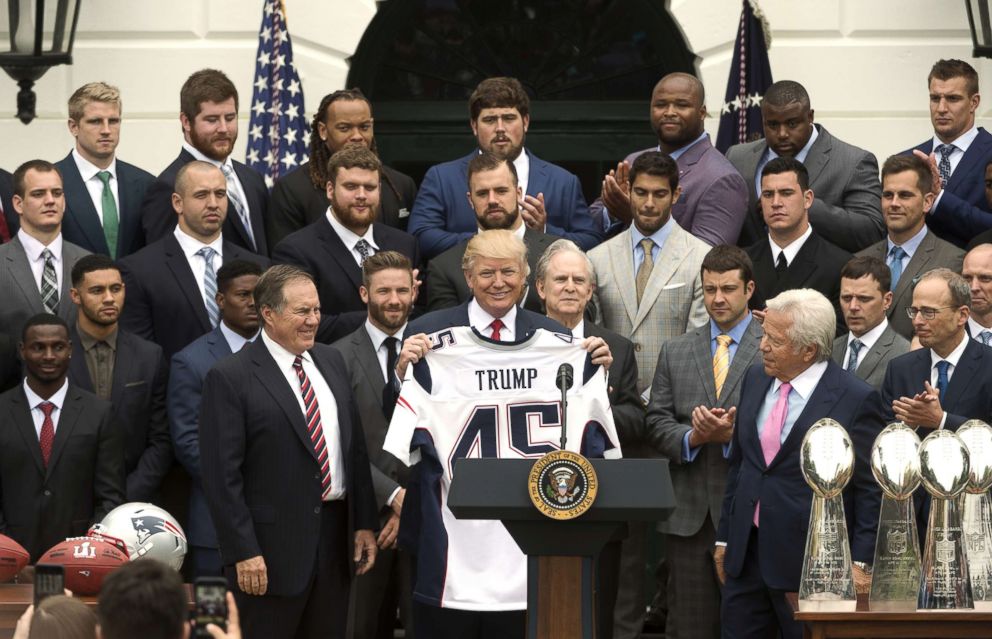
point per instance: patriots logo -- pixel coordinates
(145, 527)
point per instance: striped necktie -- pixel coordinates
(314, 428)
(239, 207)
(210, 285)
(49, 283)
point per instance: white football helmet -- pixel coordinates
(145, 530)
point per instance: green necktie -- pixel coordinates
(110, 219)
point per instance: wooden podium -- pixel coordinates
(561, 555)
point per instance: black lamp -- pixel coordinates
(980, 22)
(41, 36)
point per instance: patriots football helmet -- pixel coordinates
(144, 530)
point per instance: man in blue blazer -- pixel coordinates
(239, 325)
(553, 203)
(959, 152)
(763, 525)
(103, 195)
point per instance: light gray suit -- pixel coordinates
(932, 253)
(19, 288)
(872, 367)
(844, 179)
(684, 380)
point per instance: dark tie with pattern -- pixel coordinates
(389, 393)
(364, 249)
(314, 428)
(852, 359)
(49, 284)
(944, 166)
(47, 436)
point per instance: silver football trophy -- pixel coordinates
(944, 469)
(895, 463)
(827, 462)
(977, 524)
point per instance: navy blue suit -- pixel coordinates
(442, 215)
(762, 566)
(81, 223)
(963, 211)
(188, 371)
(158, 218)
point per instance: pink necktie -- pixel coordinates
(771, 433)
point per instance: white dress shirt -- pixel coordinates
(235, 341)
(952, 358)
(326, 404)
(378, 338)
(867, 341)
(35, 401)
(350, 238)
(579, 332)
(235, 181)
(33, 248)
(190, 245)
(792, 249)
(94, 185)
(522, 165)
(480, 320)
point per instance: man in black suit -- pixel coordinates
(370, 354)
(10, 364)
(171, 283)
(103, 195)
(61, 452)
(123, 369)
(333, 248)
(793, 255)
(8, 218)
(494, 194)
(344, 118)
(285, 469)
(208, 105)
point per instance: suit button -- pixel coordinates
(637, 347)
(48, 493)
(316, 510)
(316, 475)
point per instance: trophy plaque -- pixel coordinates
(977, 523)
(895, 463)
(944, 469)
(827, 462)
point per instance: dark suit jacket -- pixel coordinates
(932, 253)
(527, 322)
(260, 472)
(138, 398)
(963, 212)
(84, 479)
(10, 362)
(817, 265)
(164, 304)
(186, 375)
(442, 215)
(446, 286)
(628, 409)
(847, 204)
(318, 250)
(296, 203)
(785, 496)
(871, 369)
(367, 383)
(19, 291)
(81, 224)
(158, 218)
(6, 193)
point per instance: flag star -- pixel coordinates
(294, 87)
(274, 109)
(754, 100)
(306, 138)
(266, 34)
(278, 84)
(728, 107)
(269, 8)
(256, 132)
(252, 156)
(290, 136)
(263, 58)
(258, 108)
(281, 36)
(292, 111)
(260, 83)
(289, 160)
(270, 157)
(269, 182)
(280, 61)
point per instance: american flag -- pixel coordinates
(278, 135)
(750, 77)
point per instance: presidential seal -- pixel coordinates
(562, 484)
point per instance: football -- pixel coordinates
(87, 560)
(13, 557)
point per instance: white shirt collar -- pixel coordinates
(33, 247)
(870, 337)
(480, 320)
(962, 142)
(805, 382)
(378, 336)
(58, 398)
(190, 245)
(522, 165)
(953, 357)
(975, 328)
(195, 152)
(88, 170)
(349, 237)
(792, 249)
(284, 359)
(579, 332)
(235, 341)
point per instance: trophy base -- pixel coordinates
(828, 605)
(907, 605)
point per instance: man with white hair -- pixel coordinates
(762, 531)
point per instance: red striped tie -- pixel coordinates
(314, 427)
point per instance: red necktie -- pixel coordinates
(47, 432)
(314, 427)
(496, 325)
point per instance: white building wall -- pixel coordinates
(864, 63)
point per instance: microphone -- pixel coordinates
(565, 375)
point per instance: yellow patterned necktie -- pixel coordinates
(644, 271)
(721, 362)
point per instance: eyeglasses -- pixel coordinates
(927, 313)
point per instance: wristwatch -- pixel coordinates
(865, 567)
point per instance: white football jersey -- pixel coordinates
(471, 397)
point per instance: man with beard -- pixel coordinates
(370, 354)
(61, 451)
(552, 199)
(208, 104)
(334, 248)
(494, 193)
(124, 369)
(714, 195)
(343, 118)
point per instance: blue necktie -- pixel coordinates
(942, 380)
(895, 264)
(852, 360)
(944, 166)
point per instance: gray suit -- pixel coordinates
(684, 380)
(844, 179)
(872, 367)
(374, 595)
(932, 253)
(19, 288)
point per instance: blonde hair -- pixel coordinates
(93, 92)
(496, 244)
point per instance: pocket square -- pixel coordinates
(669, 287)
(130, 384)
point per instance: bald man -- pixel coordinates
(977, 270)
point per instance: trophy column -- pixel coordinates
(977, 524)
